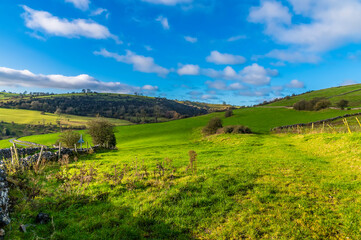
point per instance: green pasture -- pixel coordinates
(22, 116)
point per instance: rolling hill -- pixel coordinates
(137, 109)
(351, 93)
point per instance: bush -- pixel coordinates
(102, 132)
(228, 113)
(69, 138)
(313, 105)
(213, 125)
(237, 129)
(322, 104)
(342, 104)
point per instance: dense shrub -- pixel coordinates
(237, 129)
(342, 104)
(322, 104)
(69, 138)
(315, 104)
(213, 125)
(228, 113)
(102, 132)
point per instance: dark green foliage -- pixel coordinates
(69, 138)
(322, 104)
(213, 125)
(342, 104)
(237, 129)
(228, 113)
(102, 132)
(126, 107)
(315, 104)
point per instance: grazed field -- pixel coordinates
(259, 186)
(21, 116)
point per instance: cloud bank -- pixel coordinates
(24, 78)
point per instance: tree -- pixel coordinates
(322, 104)
(213, 125)
(156, 113)
(69, 138)
(58, 111)
(342, 104)
(228, 113)
(6, 132)
(102, 132)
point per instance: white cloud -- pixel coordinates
(224, 58)
(150, 88)
(168, 2)
(295, 84)
(188, 69)
(294, 56)
(148, 48)
(271, 13)
(81, 4)
(255, 75)
(164, 22)
(348, 82)
(100, 11)
(236, 38)
(330, 23)
(140, 63)
(47, 23)
(191, 39)
(25, 78)
(221, 85)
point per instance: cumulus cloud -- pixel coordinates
(164, 22)
(168, 2)
(81, 4)
(140, 63)
(221, 85)
(295, 84)
(189, 69)
(47, 23)
(330, 23)
(25, 78)
(191, 39)
(255, 75)
(224, 58)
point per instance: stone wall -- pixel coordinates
(315, 123)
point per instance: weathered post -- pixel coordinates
(40, 155)
(59, 156)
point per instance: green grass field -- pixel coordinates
(260, 120)
(352, 93)
(258, 186)
(21, 116)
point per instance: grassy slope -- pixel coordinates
(256, 187)
(260, 120)
(21, 116)
(332, 93)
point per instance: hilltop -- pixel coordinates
(133, 108)
(351, 93)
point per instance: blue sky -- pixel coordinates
(241, 52)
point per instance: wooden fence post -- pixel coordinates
(59, 156)
(41, 154)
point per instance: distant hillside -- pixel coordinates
(352, 93)
(132, 108)
(208, 106)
